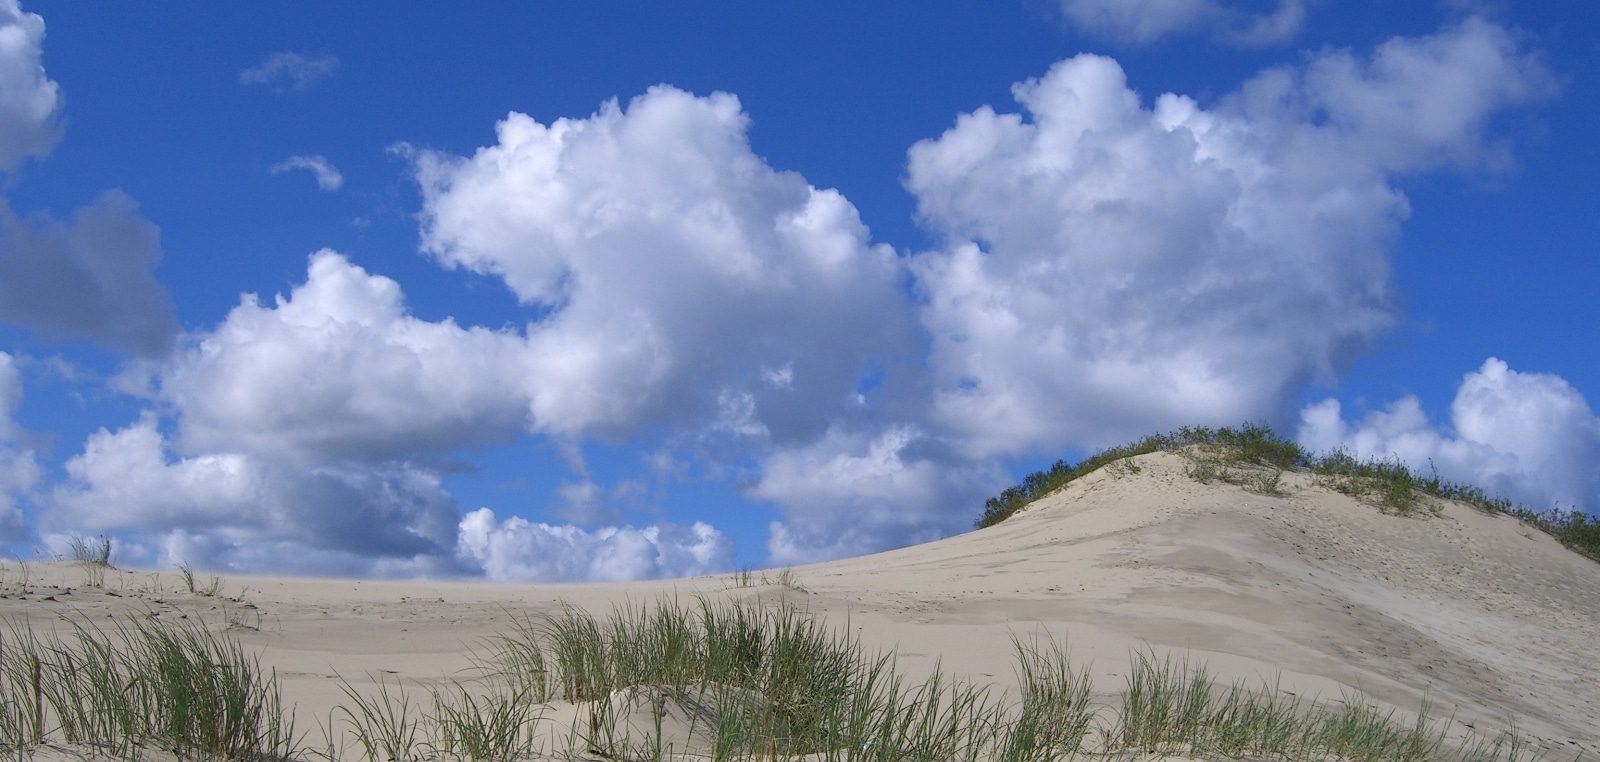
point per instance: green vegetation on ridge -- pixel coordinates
(1389, 483)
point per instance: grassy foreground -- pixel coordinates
(717, 681)
(1389, 483)
(149, 684)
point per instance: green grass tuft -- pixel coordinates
(95, 552)
(176, 687)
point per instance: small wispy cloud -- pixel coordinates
(328, 177)
(287, 71)
(1142, 22)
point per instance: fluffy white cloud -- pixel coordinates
(285, 71)
(231, 509)
(1415, 103)
(338, 369)
(253, 513)
(328, 177)
(305, 424)
(29, 101)
(1145, 21)
(848, 494)
(90, 277)
(677, 270)
(19, 469)
(1114, 269)
(517, 550)
(305, 430)
(1527, 436)
(690, 286)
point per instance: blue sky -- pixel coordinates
(606, 291)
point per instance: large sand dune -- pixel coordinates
(1312, 590)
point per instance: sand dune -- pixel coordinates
(1311, 589)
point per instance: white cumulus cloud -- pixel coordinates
(852, 493)
(517, 550)
(1531, 437)
(1146, 21)
(309, 437)
(307, 423)
(328, 177)
(688, 286)
(678, 271)
(236, 510)
(1114, 268)
(30, 102)
(1414, 103)
(340, 369)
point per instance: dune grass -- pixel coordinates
(773, 683)
(1254, 456)
(94, 552)
(94, 555)
(147, 684)
(194, 586)
(782, 685)
(1170, 706)
(766, 682)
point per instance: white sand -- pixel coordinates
(1478, 613)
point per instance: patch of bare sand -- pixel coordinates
(1313, 591)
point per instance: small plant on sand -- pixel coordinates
(492, 727)
(208, 589)
(1124, 467)
(1388, 483)
(24, 576)
(1267, 481)
(1164, 707)
(1206, 470)
(1055, 715)
(385, 726)
(517, 659)
(93, 552)
(788, 580)
(93, 555)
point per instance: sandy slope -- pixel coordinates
(1313, 590)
